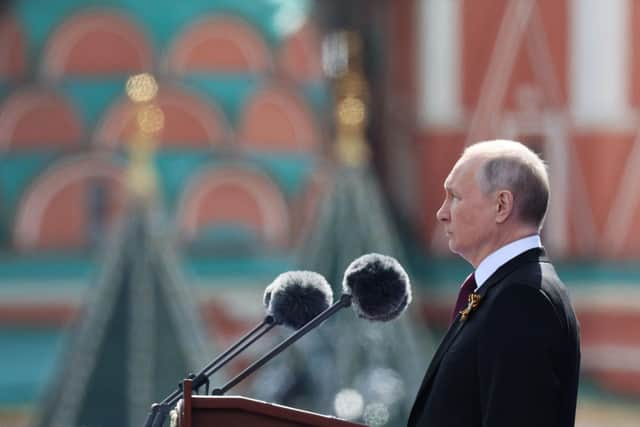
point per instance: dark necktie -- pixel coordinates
(466, 289)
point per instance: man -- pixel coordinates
(511, 355)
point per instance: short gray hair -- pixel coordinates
(513, 166)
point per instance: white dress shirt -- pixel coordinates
(498, 258)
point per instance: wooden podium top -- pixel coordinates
(232, 411)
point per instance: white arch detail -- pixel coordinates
(259, 186)
(20, 103)
(121, 112)
(282, 100)
(31, 210)
(181, 50)
(67, 35)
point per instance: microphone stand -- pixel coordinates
(159, 411)
(344, 301)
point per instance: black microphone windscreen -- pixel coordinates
(379, 287)
(296, 297)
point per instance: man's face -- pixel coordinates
(467, 214)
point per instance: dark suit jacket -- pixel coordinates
(514, 362)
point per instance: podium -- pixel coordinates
(234, 411)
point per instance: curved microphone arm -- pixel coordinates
(344, 301)
(267, 324)
(160, 410)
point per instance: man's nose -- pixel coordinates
(443, 213)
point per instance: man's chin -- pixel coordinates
(455, 249)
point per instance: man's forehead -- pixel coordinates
(452, 178)
(464, 166)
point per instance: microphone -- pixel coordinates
(376, 285)
(292, 300)
(379, 286)
(296, 297)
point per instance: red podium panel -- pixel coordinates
(234, 411)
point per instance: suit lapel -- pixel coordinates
(532, 255)
(453, 331)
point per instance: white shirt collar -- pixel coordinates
(498, 258)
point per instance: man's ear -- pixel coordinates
(504, 205)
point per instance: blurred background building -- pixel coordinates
(162, 162)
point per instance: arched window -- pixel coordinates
(232, 199)
(300, 55)
(70, 205)
(222, 44)
(13, 61)
(189, 121)
(275, 118)
(35, 118)
(95, 43)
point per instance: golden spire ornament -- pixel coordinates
(149, 121)
(352, 98)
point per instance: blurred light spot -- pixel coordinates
(376, 414)
(141, 87)
(351, 111)
(335, 55)
(290, 15)
(387, 385)
(150, 119)
(348, 404)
